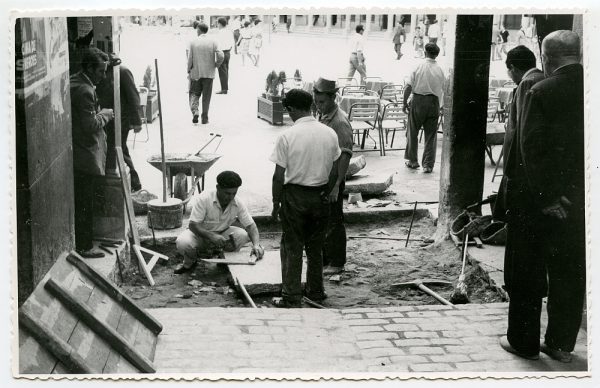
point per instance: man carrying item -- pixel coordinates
(545, 194)
(225, 38)
(399, 38)
(334, 249)
(426, 83)
(306, 158)
(210, 223)
(357, 56)
(130, 116)
(89, 145)
(204, 57)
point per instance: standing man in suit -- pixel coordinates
(225, 37)
(89, 145)
(204, 57)
(546, 207)
(399, 38)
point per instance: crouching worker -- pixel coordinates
(210, 223)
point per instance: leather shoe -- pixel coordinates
(205, 120)
(182, 269)
(556, 354)
(285, 304)
(427, 170)
(508, 347)
(222, 92)
(195, 119)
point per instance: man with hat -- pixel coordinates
(211, 221)
(334, 248)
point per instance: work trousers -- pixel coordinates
(224, 71)
(189, 245)
(111, 153)
(433, 40)
(354, 67)
(84, 190)
(398, 49)
(202, 88)
(334, 249)
(304, 212)
(544, 256)
(236, 36)
(424, 113)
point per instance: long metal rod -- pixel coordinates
(412, 219)
(162, 140)
(385, 238)
(245, 293)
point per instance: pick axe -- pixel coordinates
(420, 283)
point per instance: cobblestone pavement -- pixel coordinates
(392, 341)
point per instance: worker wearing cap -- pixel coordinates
(334, 249)
(211, 221)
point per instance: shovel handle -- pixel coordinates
(437, 296)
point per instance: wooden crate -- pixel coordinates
(271, 111)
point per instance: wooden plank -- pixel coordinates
(111, 290)
(59, 348)
(93, 348)
(145, 342)
(128, 327)
(127, 194)
(142, 262)
(107, 333)
(33, 358)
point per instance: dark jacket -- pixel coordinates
(89, 137)
(130, 98)
(546, 159)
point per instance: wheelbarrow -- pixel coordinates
(180, 166)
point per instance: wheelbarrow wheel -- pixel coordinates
(180, 187)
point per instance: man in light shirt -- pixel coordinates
(210, 223)
(225, 40)
(426, 84)
(434, 32)
(357, 56)
(306, 164)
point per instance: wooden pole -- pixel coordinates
(162, 140)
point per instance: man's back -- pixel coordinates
(202, 59)
(428, 78)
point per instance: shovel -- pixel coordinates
(214, 136)
(420, 283)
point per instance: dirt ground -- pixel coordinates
(373, 265)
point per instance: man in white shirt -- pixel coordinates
(426, 83)
(225, 40)
(306, 164)
(357, 57)
(434, 32)
(210, 223)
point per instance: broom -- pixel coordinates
(459, 295)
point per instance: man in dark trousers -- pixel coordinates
(334, 249)
(546, 208)
(204, 57)
(225, 39)
(305, 158)
(399, 38)
(89, 145)
(426, 84)
(130, 116)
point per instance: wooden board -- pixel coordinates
(262, 278)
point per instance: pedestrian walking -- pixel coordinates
(334, 249)
(256, 42)
(225, 38)
(357, 56)
(305, 158)
(243, 42)
(425, 87)
(418, 42)
(237, 25)
(205, 56)
(399, 38)
(502, 40)
(546, 208)
(433, 32)
(89, 145)
(288, 23)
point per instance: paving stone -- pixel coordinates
(498, 305)
(434, 307)
(498, 355)
(395, 309)
(381, 352)
(426, 350)
(400, 327)
(446, 341)
(412, 359)
(374, 344)
(224, 330)
(392, 368)
(468, 349)
(431, 367)
(285, 323)
(428, 314)
(376, 336)
(358, 316)
(273, 346)
(407, 320)
(358, 310)
(363, 322)
(369, 184)
(412, 342)
(452, 313)
(386, 315)
(265, 330)
(457, 333)
(450, 358)
(436, 326)
(478, 340)
(479, 318)
(364, 329)
(245, 353)
(421, 334)
(249, 322)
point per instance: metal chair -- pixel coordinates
(392, 119)
(364, 117)
(143, 92)
(392, 93)
(354, 89)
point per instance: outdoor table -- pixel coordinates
(504, 95)
(345, 102)
(376, 86)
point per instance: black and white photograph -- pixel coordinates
(300, 193)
